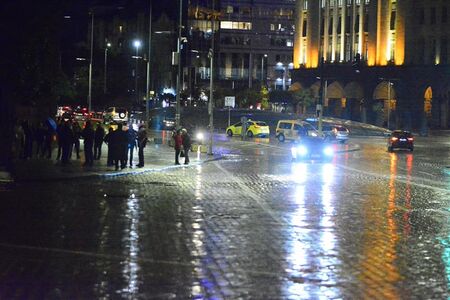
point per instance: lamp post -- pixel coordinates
(180, 25)
(137, 45)
(147, 86)
(108, 45)
(90, 63)
(262, 68)
(211, 94)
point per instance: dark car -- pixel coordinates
(336, 133)
(312, 148)
(400, 139)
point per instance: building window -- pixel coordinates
(367, 2)
(289, 43)
(272, 27)
(323, 3)
(236, 25)
(358, 2)
(229, 9)
(305, 27)
(444, 15)
(433, 15)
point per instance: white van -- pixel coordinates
(293, 130)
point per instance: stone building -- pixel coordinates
(377, 61)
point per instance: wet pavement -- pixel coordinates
(249, 224)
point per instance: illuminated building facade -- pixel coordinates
(384, 61)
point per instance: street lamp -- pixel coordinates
(108, 45)
(137, 45)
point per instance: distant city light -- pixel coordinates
(137, 43)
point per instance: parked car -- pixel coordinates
(253, 128)
(400, 139)
(115, 114)
(312, 148)
(335, 133)
(294, 129)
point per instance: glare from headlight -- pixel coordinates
(299, 151)
(199, 136)
(328, 151)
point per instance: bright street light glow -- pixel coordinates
(137, 44)
(108, 45)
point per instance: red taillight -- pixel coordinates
(410, 139)
(394, 138)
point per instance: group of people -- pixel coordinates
(121, 143)
(182, 145)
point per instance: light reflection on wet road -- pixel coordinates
(370, 224)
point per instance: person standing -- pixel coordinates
(76, 138)
(107, 140)
(119, 145)
(88, 136)
(131, 136)
(178, 143)
(65, 139)
(142, 142)
(48, 140)
(186, 140)
(39, 136)
(28, 140)
(98, 141)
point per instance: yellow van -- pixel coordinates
(293, 130)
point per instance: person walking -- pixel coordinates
(119, 145)
(76, 138)
(132, 143)
(178, 144)
(186, 140)
(88, 136)
(58, 137)
(98, 141)
(107, 140)
(142, 142)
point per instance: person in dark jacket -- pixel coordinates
(98, 141)
(28, 140)
(186, 140)
(178, 144)
(132, 143)
(48, 140)
(142, 142)
(119, 146)
(88, 136)
(65, 139)
(39, 137)
(76, 138)
(107, 140)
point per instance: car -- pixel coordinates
(400, 139)
(253, 128)
(115, 115)
(293, 130)
(335, 133)
(312, 148)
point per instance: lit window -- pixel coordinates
(289, 43)
(229, 9)
(305, 5)
(120, 28)
(272, 27)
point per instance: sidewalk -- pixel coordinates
(157, 157)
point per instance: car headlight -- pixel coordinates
(328, 151)
(199, 136)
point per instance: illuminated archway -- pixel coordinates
(385, 92)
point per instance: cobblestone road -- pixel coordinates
(370, 225)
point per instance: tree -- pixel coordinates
(303, 97)
(264, 97)
(247, 97)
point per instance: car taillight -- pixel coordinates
(410, 139)
(394, 138)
